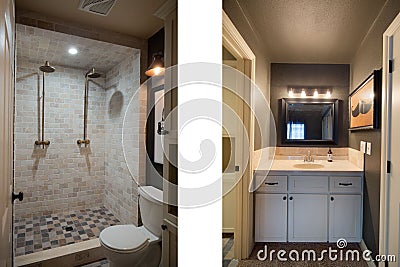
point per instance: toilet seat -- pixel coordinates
(124, 238)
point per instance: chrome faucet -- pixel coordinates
(308, 157)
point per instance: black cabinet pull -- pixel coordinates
(164, 227)
(332, 198)
(290, 198)
(270, 183)
(19, 196)
(345, 184)
(284, 198)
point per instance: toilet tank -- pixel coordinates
(151, 208)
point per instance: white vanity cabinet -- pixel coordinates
(307, 218)
(309, 207)
(271, 223)
(345, 208)
(271, 220)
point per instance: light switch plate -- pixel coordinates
(369, 148)
(362, 146)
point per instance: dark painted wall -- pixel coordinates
(154, 170)
(336, 76)
(368, 58)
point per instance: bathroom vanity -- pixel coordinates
(309, 202)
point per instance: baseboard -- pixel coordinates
(364, 247)
(228, 230)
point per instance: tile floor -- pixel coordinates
(55, 230)
(227, 251)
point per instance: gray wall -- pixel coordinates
(337, 76)
(368, 58)
(262, 75)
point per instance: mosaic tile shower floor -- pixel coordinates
(56, 230)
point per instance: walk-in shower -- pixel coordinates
(72, 192)
(46, 68)
(92, 74)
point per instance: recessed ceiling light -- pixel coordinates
(73, 51)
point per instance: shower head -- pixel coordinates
(47, 68)
(92, 74)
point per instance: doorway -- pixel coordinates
(389, 233)
(244, 61)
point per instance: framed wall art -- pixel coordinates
(364, 103)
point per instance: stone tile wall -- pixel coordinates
(64, 176)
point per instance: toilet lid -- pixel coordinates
(124, 238)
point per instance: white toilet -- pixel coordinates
(128, 245)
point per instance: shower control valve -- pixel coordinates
(86, 142)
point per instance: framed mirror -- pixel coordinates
(309, 121)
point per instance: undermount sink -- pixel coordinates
(308, 166)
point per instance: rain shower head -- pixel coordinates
(92, 74)
(47, 68)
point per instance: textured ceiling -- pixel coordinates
(38, 45)
(133, 17)
(310, 31)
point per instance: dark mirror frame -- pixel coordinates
(284, 107)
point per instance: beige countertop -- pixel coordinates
(280, 165)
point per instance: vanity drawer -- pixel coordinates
(343, 184)
(308, 184)
(273, 184)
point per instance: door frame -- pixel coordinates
(385, 137)
(244, 222)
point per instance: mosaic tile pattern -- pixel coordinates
(55, 230)
(227, 251)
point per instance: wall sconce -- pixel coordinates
(157, 66)
(304, 92)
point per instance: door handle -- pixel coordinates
(164, 227)
(269, 183)
(290, 198)
(345, 184)
(284, 198)
(19, 196)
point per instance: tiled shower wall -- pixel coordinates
(63, 176)
(123, 96)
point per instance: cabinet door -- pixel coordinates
(345, 218)
(271, 218)
(308, 218)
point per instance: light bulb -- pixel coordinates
(328, 93)
(73, 51)
(303, 93)
(316, 93)
(291, 93)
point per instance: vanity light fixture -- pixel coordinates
(73, 51)
(309, 92)
(157, 66)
